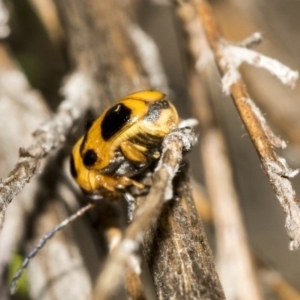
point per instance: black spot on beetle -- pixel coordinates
(155, 109)
(114, 120)
(90, 157)
(72, 167)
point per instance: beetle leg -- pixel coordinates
(126, 181)
(133, 152)
(99, 181)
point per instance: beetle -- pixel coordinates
(122, 142)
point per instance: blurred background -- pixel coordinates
(36, 43)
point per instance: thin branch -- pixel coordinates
(41, 243)
(149, 56)
(278, 285)
(234, 261)
(25, 109)
(202, 201)
(234, 56)
(275, 167)
(4, 19)
(133, 285)
(48, 137)
(60, 265)
(123, 255)
(177, 251)
(48, 15)
(233, 256)
(110, 59)
(113, 233)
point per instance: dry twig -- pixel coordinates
(233, 256)
(123, 255)
(48, 137)
(278, 285)
(41, 243)
(150, 59)
(48, 15)
(234, 261)
(4, 18)
(274, 166)
(24, 109)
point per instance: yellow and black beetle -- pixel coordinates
(123, 141)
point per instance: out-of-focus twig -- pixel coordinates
(41, 243)
(202, 202)
(278, 285)
(113, 232)
(111, 59)
(4, 18)
(274, 166)
(150, 59)
(177, 251)
(48, 15)
(147, 213)
(25, 109)
(134, 286)
(234, 262)
(233, 252)
(49, 136)
(59, 264)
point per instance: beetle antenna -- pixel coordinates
(42, 242)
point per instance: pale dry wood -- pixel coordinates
(113, 231)
(123, 256)
(234, 261)
(4, 20)
(48, 15)
(202, 202)
(59, 265)
(80, 94)
(111, 58)
(48, 137)
(22, 110)
(278, 285)
(86, 33)
(178, 253)
(149, 55)
(274, 166)
(26, 109)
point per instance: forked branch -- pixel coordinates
(228, 59)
